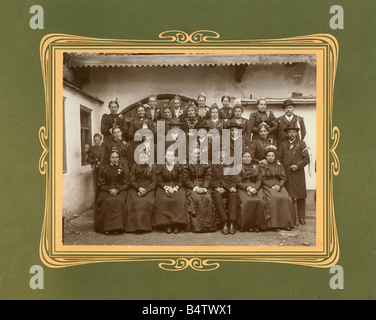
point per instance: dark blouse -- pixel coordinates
(143, 176)
(257, 148)
(122, 146)
(113, 177)
(197, 175)
(225, 113)
(220, 125)
(258, 117)
(138, 123)
(250, 176)
(108, 121)
(171, 178)
(273, 174)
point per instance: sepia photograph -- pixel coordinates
(149, 141)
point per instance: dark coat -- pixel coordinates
(246, 127)
(157, 114)
(296, 121)
(137, 124)
(294, 153)
(219, 180)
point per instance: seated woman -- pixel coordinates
(170, 196)
(200, 213)
(279, 207)
(251, 208)
(110, 208)
(116, 142)
(141, 196)
(260, 143)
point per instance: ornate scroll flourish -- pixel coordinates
(183, 263)
(335, 165)
(42, 139)
(183, 37)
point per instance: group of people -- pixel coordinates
(140, 196)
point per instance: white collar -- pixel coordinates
(289, 118)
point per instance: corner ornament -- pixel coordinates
(183, 263)
(183, 37)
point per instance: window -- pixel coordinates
(85, 119)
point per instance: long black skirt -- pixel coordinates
(140, 212)
(110, 212)
(200, 212)
(170, 209)
(251, 211)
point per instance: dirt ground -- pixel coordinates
(80, 231)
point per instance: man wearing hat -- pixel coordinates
(234, 137)
(294, 156)
(203, 142)
(289, 118)
(174, 125)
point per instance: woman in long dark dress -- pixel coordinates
(279, 207)
(141, 196)
(251, 207)
(200, 211)
(170, 196)
(110, 208)
(258, 145)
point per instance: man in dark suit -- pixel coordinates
(289, 118)
(152, 111)
(294, 156)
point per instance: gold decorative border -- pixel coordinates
(53, 254)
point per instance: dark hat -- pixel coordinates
(291, 127)
(233, 125)
(201, 125)
(287, 103)
(175, 122)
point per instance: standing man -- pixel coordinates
(152, 111)
(289, 118)
(294, 156)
